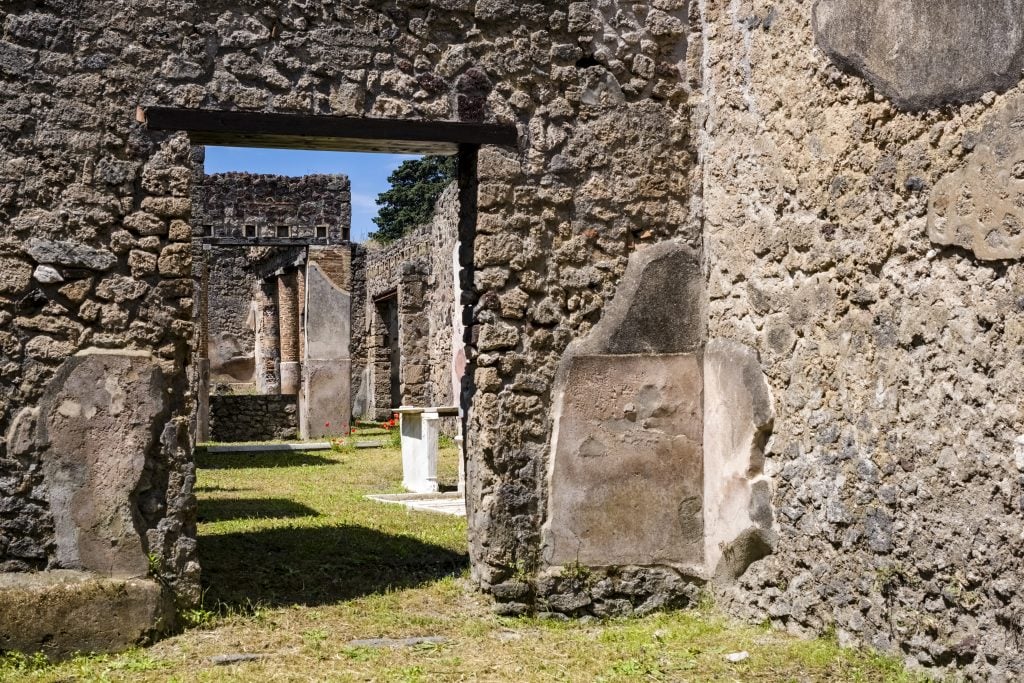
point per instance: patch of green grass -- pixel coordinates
(297, 564)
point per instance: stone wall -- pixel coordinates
(598, 92)
(416, 274)
(253, 418)
(443, 310)
(863, 235)
(315, 208)
(842, 208)
(230, 318)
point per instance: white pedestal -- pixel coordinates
(420, 429)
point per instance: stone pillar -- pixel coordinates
(325, 408)
(203, 347)
(288, 316)
(267, 339)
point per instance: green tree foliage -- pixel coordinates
(415, 187)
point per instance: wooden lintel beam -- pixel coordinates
(324, 132)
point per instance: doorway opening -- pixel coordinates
(266, 532)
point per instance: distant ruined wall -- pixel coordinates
(253, 418)
(419, 270)
(443, 309)
(226, 203)
(230, 311)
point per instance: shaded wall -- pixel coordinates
(253, 418)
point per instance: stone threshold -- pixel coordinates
(270, 447)
(448, 503)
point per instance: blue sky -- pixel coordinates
(368, 172)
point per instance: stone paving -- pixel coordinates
(453, 503)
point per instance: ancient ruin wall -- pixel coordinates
(227, 203)
(230, 321)
(419, 270)
(443, 309)
(598, 91)
(894, 358)
(253, 418)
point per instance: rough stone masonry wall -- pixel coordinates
(230, 329)
(864, 235)
(420, 270)
(442, 309)
(228, 202)
(253, 418)
(604, 164)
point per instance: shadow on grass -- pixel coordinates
(317, 566)
(223, 461)
(220, 509)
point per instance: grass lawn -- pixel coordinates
(297, 564)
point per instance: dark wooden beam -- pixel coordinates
(304, 131)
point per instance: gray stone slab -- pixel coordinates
(397, 642)
(924, 53)
(327, 405)
(453, 503)
(62, 612)
(269, 447)
(627, 471)
(658, 306)
(236, 658)
(97, 423)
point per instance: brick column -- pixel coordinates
(288, 314)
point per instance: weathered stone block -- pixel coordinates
(627, 463)
(68, 253)
(15, 276)
(61, 612)
(176, 260)
(738, 419)
(924, 53)
(658, 306)
(98, 418)
(980, 206)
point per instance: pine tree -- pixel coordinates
(415, 187)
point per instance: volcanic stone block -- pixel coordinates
(627, 469)
(738, 418)
(923, 53)
(979, 206)
(69, 253)
(62, 612)
(97, 422)
(657, 308)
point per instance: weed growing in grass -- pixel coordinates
(16, 662)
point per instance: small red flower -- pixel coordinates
(327, 424)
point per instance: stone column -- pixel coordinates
(203, 347)
(267, 339)
(288, 315)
